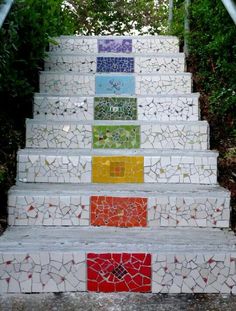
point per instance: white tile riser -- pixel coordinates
(149, 85)
(193, 273)
(149, 108)
(139, 45)
(172, 273)
(159, 136)
(74, 210)
(42, 272)
(78, 169)
(88, 64)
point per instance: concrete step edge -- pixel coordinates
(118, 122)
(120, 152)
(119, 55)
(120, 189)
(163, 240)
(120, 96)
(187, 74)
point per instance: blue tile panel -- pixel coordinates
(115, 64)
(119, 85)
(115, 45)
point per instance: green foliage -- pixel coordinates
(212, 57)
(24, 38)
(118, 16)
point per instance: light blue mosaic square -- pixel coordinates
(111, 84)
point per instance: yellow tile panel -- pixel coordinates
(118, 169)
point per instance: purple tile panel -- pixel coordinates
(115, 45)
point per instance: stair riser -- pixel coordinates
(87, 210)
(122, 45)
(149, 85)
(117, 169)
(90, 108)
(185, 272)
(159, 136)
(102, 64)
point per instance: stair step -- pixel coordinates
(114, 44)
(148, 205)
(160, 108)
(165, 260)
(133, 63)
(117, 166)
(117, 134)
(68, 83)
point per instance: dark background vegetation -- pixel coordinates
(212, 60)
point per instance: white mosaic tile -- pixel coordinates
(77, 169)
(76, 135)
(67, 84)
(179, 169)
(168, 108)
(49, 107)
(175, 136)
(74, 210)
(155, 45)
(71, 44)
(55, 169)
(85, 64)
(54, 135)
(163, 84)
(43, 272)
(49, 210)
(81, 64)
(161, 108)
(140, 45)
(192, 273)
(188, 211)
(149, 85)
(156, 64)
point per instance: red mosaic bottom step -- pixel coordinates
(118, 211)
(165, 260)
(119, 272)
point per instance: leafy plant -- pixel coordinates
(24, 38)
(212, 60)
(118, 16)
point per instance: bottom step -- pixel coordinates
(112, 260)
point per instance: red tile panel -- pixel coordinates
(120, 272)
(118, 211)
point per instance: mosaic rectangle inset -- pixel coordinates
(115, 85)
(115, 45)
(116, 136)
(118, 211)
(118, 169)
(119, 272)
(115, 108)
(115, 64)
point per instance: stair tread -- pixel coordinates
(127, 55)
(41, 94)
(71, 73)
(119, 122)
(119, 152)
(161, 240)
(119, 189)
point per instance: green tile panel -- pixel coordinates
(116, 137)
(115, 108)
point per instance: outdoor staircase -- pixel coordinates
(116, 189)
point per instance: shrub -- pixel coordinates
(24, 37)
